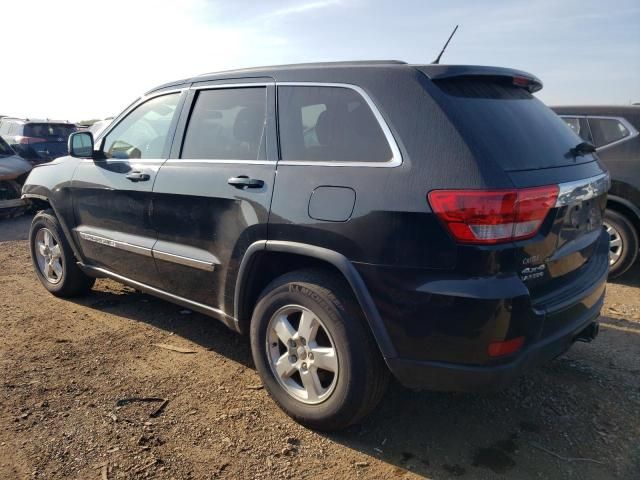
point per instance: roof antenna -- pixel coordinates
(437, 60)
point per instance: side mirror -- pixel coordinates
(81, 144)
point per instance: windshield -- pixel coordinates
(48, 130)
(5, 149)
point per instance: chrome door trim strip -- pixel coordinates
(581, 190)
(396, 157)
(181, 260)
(231, 85)
(226, 161)
(228, 320)
(144, 251)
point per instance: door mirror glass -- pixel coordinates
(81, 144)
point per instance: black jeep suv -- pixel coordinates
(614, 132)
(436, 222)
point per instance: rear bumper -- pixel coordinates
(453, 377)
(441, 327)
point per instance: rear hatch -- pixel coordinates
(46, 141)
(503, 123)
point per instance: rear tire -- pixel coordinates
(623, 242)
(350, 374)
(53, 259)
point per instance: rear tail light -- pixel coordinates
(29, 140)
(493, 216)
(507, 347)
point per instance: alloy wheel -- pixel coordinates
(615, 243)
(302, 354)
(48, 256)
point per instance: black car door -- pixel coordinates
(112, 196)
(211, 199)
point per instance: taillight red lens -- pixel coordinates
(493, 216)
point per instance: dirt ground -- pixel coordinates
(65, 364)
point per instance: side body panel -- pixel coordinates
(199, 216)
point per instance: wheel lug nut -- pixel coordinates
(303, 341)
(310, 356)
(292, 343)
(293, 359)
(304, 366)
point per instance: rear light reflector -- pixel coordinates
(500, 349)
(493, 216)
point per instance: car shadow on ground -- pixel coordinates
(440, 435)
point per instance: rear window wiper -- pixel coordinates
(582, 149)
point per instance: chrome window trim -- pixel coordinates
(577, 191)
(90, 237)
(231, 85)
(204, 160)
(633, 132)
(182, 260)
(396, 156)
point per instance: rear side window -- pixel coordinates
(49, 130)
(227, 123)
(329, 124)
(579, 127)
(607, 130)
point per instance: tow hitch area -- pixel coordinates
(589, 333)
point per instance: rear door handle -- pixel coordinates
(137, 176)
(245, 182)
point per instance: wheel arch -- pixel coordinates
(42, 202)
(626, 208)
(256, 271)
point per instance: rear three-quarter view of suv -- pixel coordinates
(614, 132)
(358, 219)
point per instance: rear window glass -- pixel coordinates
(44, 130)
(506, 124)
(607, 130)
(227, 123)
(329, 124)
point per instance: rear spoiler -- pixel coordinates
(519, 78)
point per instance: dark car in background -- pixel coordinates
(613, 130)
(13, 172)
(37, 141)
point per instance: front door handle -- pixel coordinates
(137, 176)
(245, 182)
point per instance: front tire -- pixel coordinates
(53, 259)
(314, 352)
(623, 242)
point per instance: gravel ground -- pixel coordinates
(65, 365)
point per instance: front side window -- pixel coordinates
(607, 130)
(227, 124)
(144, 132)
(329, 124)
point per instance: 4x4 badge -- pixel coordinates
(530, 273)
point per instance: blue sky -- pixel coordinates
(84, 60)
